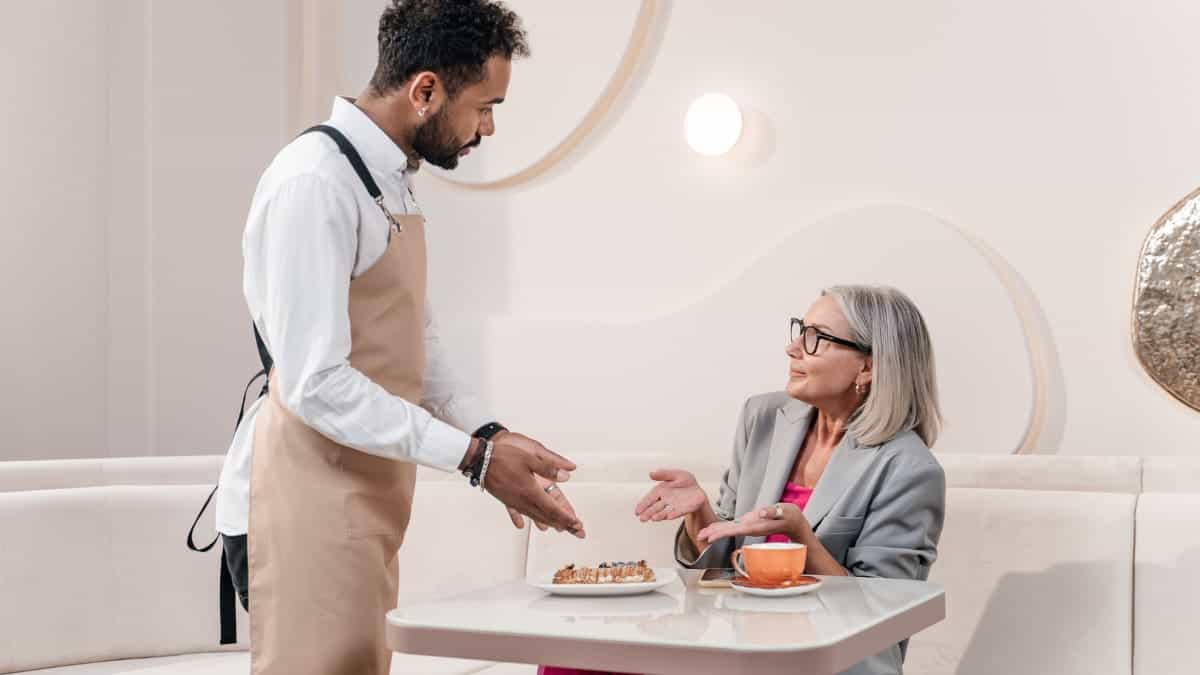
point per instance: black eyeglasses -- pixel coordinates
(810, 338)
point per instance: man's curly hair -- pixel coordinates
(453, 38)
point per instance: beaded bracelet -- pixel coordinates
(471, 472)
(487, 459)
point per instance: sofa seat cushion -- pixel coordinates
(216, 662)
(510, 669)
(238, 663)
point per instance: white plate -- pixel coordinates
(662, 577)
(779, 592)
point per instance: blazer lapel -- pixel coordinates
(845, 466)
(791, 424)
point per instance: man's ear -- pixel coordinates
(425, 92)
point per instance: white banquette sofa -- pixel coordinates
(1055, 565)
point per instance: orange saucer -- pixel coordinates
(745, 582)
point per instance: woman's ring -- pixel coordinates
(551, 488)
(779, 512)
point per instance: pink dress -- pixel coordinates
(792, 494)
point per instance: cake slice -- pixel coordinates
(606, 573)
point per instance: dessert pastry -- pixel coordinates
(606, 573)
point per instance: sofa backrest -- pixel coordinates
(93, 571)
(1167, 568)
(613, 531)
(74, 473)
(1036, 558)
(459, 540)
(100, 573)
(1059, 473)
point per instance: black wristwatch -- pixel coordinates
(488, 430)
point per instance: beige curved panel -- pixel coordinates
(1166, 303)
(590, 50)
(1048, 415)
(673, 380)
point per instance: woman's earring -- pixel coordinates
(858, 388)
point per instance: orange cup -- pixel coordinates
(771, 564)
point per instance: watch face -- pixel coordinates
(490, 429)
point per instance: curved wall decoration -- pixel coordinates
(673, 379)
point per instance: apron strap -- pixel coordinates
(226, 595)
(227, 598)
(264, 357)
(192, 530)
(351, 154)
(191, 542)
(360, 168)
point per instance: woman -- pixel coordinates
(839, 461)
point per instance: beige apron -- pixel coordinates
(326, 521)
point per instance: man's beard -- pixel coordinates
(436, 144)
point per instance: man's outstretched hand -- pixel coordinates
(520, 470)
(559, 496)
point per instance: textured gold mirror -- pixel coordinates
(1166, 303)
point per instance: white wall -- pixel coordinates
(1053, 134)
(53, 244)
(138, 130)
(219, 112)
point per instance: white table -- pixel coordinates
(676, 630)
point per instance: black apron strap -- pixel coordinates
(192, 530)
(228, 596)
(351, 154)
(360, 168)
(191, 542)
(264, 357)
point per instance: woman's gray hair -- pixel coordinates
(903, 393)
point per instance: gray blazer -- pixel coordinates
(879, 509)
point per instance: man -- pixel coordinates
(316, 491)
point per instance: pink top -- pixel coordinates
(792, 494)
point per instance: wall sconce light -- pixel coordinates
(713, 124)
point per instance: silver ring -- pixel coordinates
(551, 488)
(779, 512)
(667, 507)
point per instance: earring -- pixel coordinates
(858, 388)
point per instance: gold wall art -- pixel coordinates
(1166, 303)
